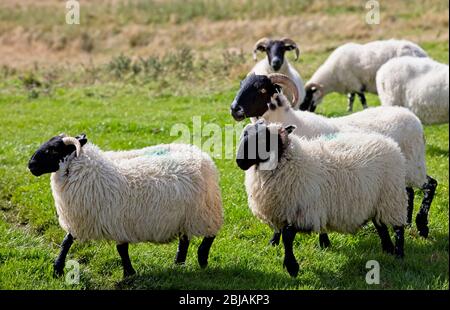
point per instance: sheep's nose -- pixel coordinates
(34, 169)
(276, 63)
(31, 164)
(237, 111)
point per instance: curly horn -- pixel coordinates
(288, 41)
(73, 141)
(286, 82)
(319, 87)
(263, 42)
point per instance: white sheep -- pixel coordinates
(420, 85)
(333, 183)
(154, 194)
(398, 123)
(275, 62)
(351, 69)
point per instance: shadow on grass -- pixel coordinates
(434, 150)
(209, 279)
(425, 265)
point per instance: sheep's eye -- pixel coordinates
(262, 90)
(50, 151)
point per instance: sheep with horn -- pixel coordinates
(276, 62)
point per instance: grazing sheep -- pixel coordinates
(155, 194)
(332, 183)
(351, 69)
(420, 85)
(398, 123)
(276, 62)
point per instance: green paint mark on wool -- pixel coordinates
(330, 136)
(157, 152)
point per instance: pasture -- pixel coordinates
(132, 70)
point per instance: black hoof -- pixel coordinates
(202, 260)
(423, 232)
(324, 245)
(128, 273)
(274, 242)
(58, 269)
(324, 241)
(292, 267)
(422, 225)
(203, 263)
(58, 272)
(388, 248)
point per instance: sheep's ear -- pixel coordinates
(82, 138)
(260, 48)
(290, 128)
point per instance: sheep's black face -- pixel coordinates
(48, 156)
(275, 50)
(275, 53)
(256, 146)
(253, 97)
(308, 101)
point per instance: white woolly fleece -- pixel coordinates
(397, 123)
(420, 85)
(263, 68)
(152, 194)
(335, 183)
(353, 66)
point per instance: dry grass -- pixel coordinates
(33, 33)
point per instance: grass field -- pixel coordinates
(122, 101)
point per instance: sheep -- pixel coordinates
(154, 194)
(421, 85)
(331, 183)
(398, 123)
(276, 62)
(351, 69)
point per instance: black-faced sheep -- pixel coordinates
(276, 62)
(155, 194)
(332, 183)
(262, 96)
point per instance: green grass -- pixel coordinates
(121, 109)
(119, 116)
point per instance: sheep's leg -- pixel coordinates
(183, 245)
(289, 262)
(203, 251)
(126, 262)
(386, 242)
(275, 238)
(58, 265)
(324, 241)
(422, 217)
(351, 99)
(410, 192)
(399, 241)
(363, 100)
